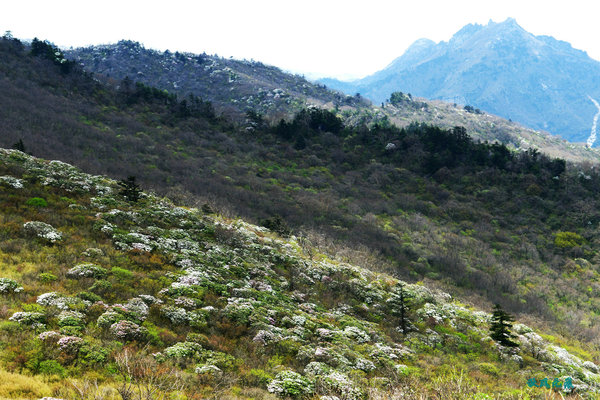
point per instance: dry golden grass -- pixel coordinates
(16, 386)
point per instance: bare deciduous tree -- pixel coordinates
(144, 378)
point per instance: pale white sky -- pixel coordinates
(344, 39)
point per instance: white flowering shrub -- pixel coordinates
(86, 270)
(177, 315)
(102, 203)
(305, 353)
(338, 382)
(43, 231)
(106, 228)
(384, 352)
(357, 334)
(325, 333)
(260, 286)
(48, 299)
(133, 240)
(299, 320)
(364, 365)
(316, 368)
(430, 313)
(70, 344)
(401, 369)
(141, 247)
(197, 319)
(239, 309)
(93, 252)
(53, 299)
(149, 299)
(181, 350)
(33, 319)
(533, 344)
(322, 352)
(590, 366)
(70, 318)
(8, 285)
(137, 308)
(562, 356)
(108, 318)
(11, 181)
(127, 330)
(265, 337)
(192, 277)
(49, 336)
(208, 369)
(185, 302)
(291, 384)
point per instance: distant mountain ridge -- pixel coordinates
(232, 85)
(501, 68)
(237, 86)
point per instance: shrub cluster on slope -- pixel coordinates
(149, 299)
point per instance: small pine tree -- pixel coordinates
(401, 305)
(277, 224)
(207, 209)
(300, 143)
(501, 326)
(19, 146)
(130, 189)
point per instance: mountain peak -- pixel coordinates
(508, 22)
(465, 33)
(420, 43)
(471, 30)
(419, 46)
(503, 69)
(509, 25)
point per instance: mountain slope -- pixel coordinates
(231, 84)
(539, 81)
(147, 298)
(485, 127)
(424, 203)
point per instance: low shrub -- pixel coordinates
(37, 202)
(121, 274)
(47, 277)
(51, 367)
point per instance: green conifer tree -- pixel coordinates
(19, 146)
(130, 189)
(501, 326)
(401, 304)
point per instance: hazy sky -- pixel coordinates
(343, 39)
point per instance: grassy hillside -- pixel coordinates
(106, 298)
